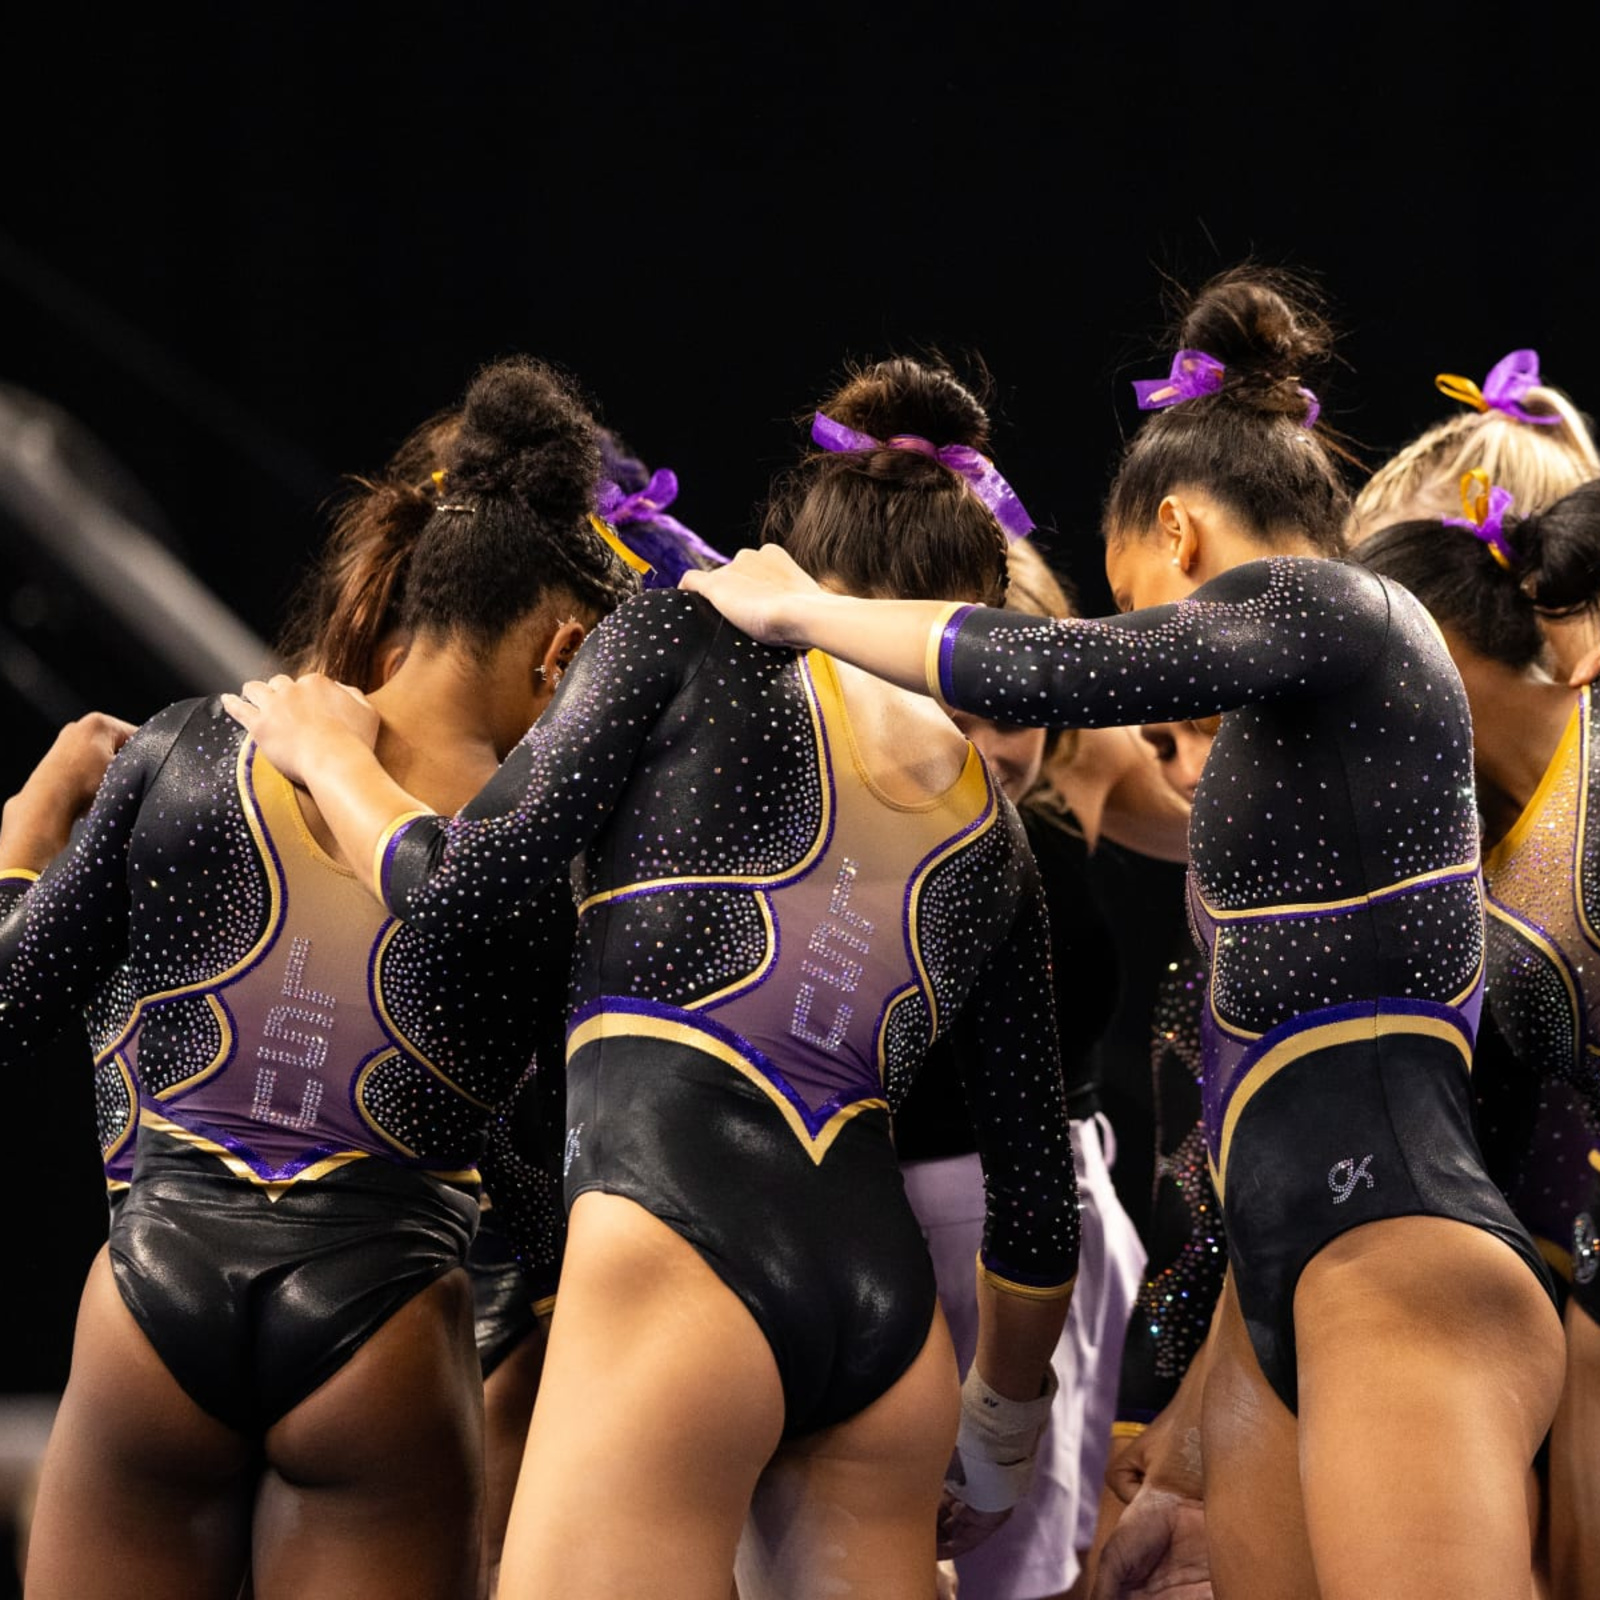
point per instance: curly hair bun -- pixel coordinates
(902, 395)
(526, 436)
(1265, 328)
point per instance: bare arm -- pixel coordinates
(763, 593)
(36, 822)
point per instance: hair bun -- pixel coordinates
(525, 435)
(1266, 329)
(902, 395)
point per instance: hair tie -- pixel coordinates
(1193, 374)
(976, 469)
(1485, 505)
(1509, 379)
(669, 548)
(609, 534)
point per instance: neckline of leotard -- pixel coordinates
(290, 798)
(1517, 834)
(830, 697)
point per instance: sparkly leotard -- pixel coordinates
(1188, 1246)
(313, 1084)
(1543, 883)
(1334, 885)
(767, 945)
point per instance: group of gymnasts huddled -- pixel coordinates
(594, 1072)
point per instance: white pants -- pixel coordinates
(1036, 1552)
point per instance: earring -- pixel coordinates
(1176, 562)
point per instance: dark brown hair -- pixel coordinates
(512, 521)
(1247, 444)
(350, 599)
(1555, 572)
(894, 523)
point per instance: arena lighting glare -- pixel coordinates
(135, 577)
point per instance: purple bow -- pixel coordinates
(1486, 515)
(1509, 379)
(669, 547)
(655, 497)
(1193, 374)
(980, 473)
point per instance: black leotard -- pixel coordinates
(766, 948)
(285, 1038)
(1334, 883)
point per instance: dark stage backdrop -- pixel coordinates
(249, 248)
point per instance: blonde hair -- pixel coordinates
(1032, 587)
(1538, 463)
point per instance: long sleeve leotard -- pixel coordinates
(1334, 887)
(753, 899)
(1333, 840)
(245, 997)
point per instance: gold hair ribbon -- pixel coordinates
(609, 534)
(1475, 495)
(1485, 508)
(1462, 389)
(438, 479)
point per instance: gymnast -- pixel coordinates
(274, 1368)
(1492, 580)
(1380, 1289)
(1529, 438)
(794, 878)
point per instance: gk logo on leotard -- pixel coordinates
(845, 930)
(305, 1045)
(570, 1154)
(1346, 1174)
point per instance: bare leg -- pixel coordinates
(659, 1405)
(141, 1492)
(374, 1484)
(853, 1509)
(508, 1396)
(1575, 1465)
(1255, 1522)
(1430, 1367)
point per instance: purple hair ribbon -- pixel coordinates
(979, 472)
(1485, 505)
(1509, 379)
(656, 544)
(1193, 374)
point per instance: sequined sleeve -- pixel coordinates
(555, 790)
(1019, 1112)
(61, 939)
(1270, 629)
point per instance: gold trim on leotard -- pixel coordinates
(1308, 907)
(632, 1025)
(251, 810)
(1299, 1045)
(757, 880)
(19, 874)
(381, 849)
(934, 649)
(272, 1187)
(1025, 1291)
(1517, 834)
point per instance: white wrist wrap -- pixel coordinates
(996, 1444)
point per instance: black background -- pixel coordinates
(250, 248)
